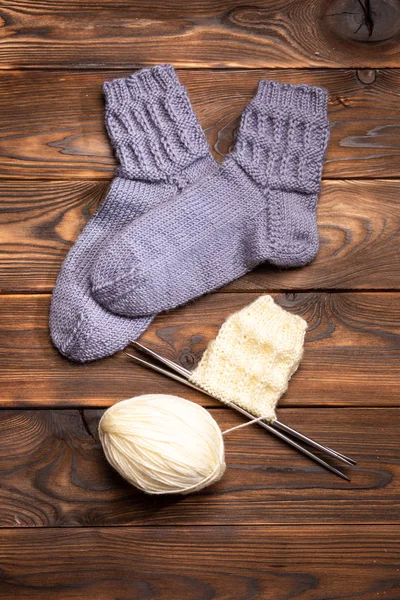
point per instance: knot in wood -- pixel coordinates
(364, 20)
(366, 76)
(187, 359)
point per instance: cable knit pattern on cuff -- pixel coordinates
(152, 126)
(283, 136)
(254, 355)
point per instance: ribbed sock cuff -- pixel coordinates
(307, 99)
(144, 83)
(283, 136)
(152, 126)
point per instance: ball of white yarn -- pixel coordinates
(163, 444)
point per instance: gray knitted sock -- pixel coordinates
(259, 206)
(161, 149)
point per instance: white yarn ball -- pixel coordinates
(163, 444)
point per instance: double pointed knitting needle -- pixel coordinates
(277, 424)
(243, 412)
(266, 426)
(311, 442)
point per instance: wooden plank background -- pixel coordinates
(224, 34)
(64, 137)
(202, 562)
(276, 526)
(351, 353)
(54, 475)
(358, 222)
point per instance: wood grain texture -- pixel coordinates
(359, 224)
(54, 474)
(235, 563)
(351, 354)
(227, 33)
(61, 134)
(277, 526)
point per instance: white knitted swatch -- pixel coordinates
(254, 355)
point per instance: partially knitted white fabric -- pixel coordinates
(254, 355)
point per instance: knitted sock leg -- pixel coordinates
(161, 149)
(259, 206)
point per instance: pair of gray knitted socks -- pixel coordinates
(175, 225)
(161, 149)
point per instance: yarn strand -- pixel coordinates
(256, 420)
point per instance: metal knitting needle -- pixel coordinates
(342, 456)
(162, 359)
(314, 444)
(278, 424)
(186, 373)
(243, 412)
(291, 442)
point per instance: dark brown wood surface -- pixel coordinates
(351, 353)
(359, 224)
(277, 526)
(64, 137)
(200, 563)
(53, 474)
(121, 33)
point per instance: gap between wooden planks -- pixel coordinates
(64, 136)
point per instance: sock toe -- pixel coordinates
(97, 333)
